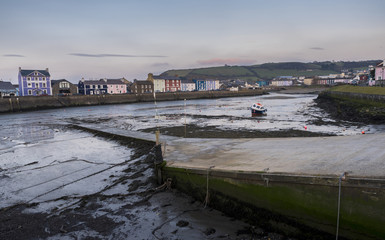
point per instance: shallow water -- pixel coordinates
(294, 111)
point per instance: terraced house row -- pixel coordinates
(40, 83)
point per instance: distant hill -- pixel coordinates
(269, 71)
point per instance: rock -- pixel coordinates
(209, 231)
(182, 223)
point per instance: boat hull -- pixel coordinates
(256, 113)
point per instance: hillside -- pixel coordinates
(269, 71)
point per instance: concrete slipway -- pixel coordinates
(290, 185)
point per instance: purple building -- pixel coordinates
(34, 82)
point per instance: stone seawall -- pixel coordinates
(298, 206)
(371, 97)
(17, 104)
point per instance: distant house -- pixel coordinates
(309, 81)
(7, 89)
(159, 82)
(17, 89)
(262, 83)
(172, 84)
(380, 74)
(342, 80)
(325, 81)
(63, 87)
(92, 87)
(34, 82)
(187, 85)
(212, 85)
(142, 86)
(200, 84)
(116, 86)
(282, 81)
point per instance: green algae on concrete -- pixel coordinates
(298, 206)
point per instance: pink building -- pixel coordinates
(116, 86)
(380, 72)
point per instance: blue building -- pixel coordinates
(263, 83)
(34, 82)
(92, 87)
(200, 84)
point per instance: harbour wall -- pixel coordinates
(363, 96)
(29, 103)
(300, 206)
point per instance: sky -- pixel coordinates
(95, 39)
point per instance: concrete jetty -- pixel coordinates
(307, 188)
(359, 155)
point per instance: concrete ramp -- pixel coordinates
(360, 155)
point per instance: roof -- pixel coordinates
(7, 86)
(381, 64)
(94, 82)
(187, 81)
(53, 82)
(28, 72)
(115, 81)
(167, 77)
(285, 77)
(143, 82)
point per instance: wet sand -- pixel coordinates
(144, 210)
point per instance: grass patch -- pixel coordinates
(358, 89)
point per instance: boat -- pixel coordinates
(258, 109)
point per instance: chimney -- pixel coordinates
(47, 69)
(150, 77)
(19, 69)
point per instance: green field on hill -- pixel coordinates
(269, 71)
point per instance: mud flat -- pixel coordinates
(99, 194)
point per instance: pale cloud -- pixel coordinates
(229, 61)
(317, 48)
(114, 55)
(13, 55)
(160, 65)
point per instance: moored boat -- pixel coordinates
(257, 109)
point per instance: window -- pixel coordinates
(35, 73)
(45, 91)
(29, 84)
(28, 78)
(64, 85)
(29, 92)
(44, 85)
(43, 78)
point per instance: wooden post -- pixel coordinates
(157, 136)
(10, 104)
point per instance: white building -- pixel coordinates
(187, 86)
(159, 83)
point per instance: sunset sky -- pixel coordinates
(120, 38)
